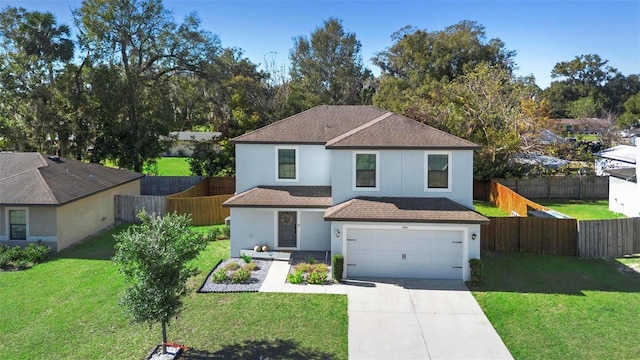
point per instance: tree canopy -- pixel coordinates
(327, 68)
(152, 257)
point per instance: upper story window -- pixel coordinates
(17, 224)
(438, 171)
(287, 163)
(366, 173)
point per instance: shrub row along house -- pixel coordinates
(392, 195)
(56, 200)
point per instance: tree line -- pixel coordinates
(134, 74)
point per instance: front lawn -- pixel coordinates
(67, 308)
(558, 307)
(582, 209)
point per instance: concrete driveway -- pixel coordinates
(418, 319)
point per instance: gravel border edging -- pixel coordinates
(254, 284)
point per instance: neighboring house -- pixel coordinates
(57, 200)
(624, 189)
(617, 157)
(546, 137)
(581, 126)
(184, 141)
(392, 195)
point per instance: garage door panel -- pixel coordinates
(433, 254)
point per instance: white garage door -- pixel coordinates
(408, 253)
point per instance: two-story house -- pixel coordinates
(392, 195)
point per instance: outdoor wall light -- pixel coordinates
(473, 236)
(337, 233)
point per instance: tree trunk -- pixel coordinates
(164, 337)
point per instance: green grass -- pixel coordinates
(557, 307)
(67, 308)
(486, 209)
(582, 209)
(173, 166)
(166, 166)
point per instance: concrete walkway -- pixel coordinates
(407, 318)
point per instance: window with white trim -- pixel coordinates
(437, 171)
(17, 224)
(287, 163)
(366, 174)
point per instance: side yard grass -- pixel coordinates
(558, 307)
(165, 166)
(68, 308)
(581, 209)
(485, 208)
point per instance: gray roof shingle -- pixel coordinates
(352, 126)
(283, 196)
(403, 209)
(32, 179)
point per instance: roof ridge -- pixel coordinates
(359, 128)
(448, 134)
(47, 187)
(335, 208)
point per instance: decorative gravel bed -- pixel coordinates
(253, 285)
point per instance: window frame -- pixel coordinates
(8, 223)
(449, 172)
(355, 172)
(297, 163)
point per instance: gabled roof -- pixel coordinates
(347, 126)
(624, 153)
(403, 209)
(32, 179)
(283, 196)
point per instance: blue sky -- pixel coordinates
(542, 32)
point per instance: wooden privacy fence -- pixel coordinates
(208, 187)
(128, 206)
(167, 185)
(604, 238)
(528, 234)
(560, 187)
(510, 201)
(205, 210)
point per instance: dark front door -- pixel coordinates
(287, 229)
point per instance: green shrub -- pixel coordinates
(219, 276)
(232, 266)
(14, 253)
(319, 267)
(251, 266)
(317, 277)
(21, 264)
(337, 267)
(35, 253)
(246, 258)
(240, 276)
(226, 231)
(476, 270)
(213, 234)
(311, 260)
(296, 277)
(4, 260)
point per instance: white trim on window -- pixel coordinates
(426, 171)
(7, 222)
(353, 169)
(297, 160)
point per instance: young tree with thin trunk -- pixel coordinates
(153, 258)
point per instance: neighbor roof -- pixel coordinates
(32, 179)
(624, 153)
(283, 196)
(352, 126)
(403, 209)
(627, 174)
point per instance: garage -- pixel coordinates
(404, 252)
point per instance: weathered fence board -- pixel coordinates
(560, 187)
(609, 238)
(510, 201)
(167, 185)
(128, 206)
(535, 235)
